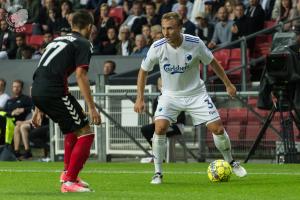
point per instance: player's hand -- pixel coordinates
(37, 118)
(94, 116)
(139, 106)
(231, 90)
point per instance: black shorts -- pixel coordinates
(65, 111)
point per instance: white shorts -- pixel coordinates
(200, 108)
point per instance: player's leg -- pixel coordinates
(159, 148)
(67, 112)
(203, 110)
(222, 142)
(165, 114)
(79, 155)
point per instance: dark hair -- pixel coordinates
(112, 63)
(82, 19)
(240, 4)
(67, 2)
(48, 32)
(151, 3)
(3, 80)
(21, 35)
(20, 82)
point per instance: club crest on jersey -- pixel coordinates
(188, 58)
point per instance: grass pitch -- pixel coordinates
(40, 181)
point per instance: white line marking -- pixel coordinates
(135, 172)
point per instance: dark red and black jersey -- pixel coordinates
(60, 59)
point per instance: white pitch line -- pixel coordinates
(135, 172)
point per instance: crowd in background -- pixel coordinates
(128, 28)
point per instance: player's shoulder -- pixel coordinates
(159, 43)
(191, 39)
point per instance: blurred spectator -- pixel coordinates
(20, 42)
(187, 26)
(140, 48)
(3, 96)
(94, 40)
(267, 6)
(33, 7)
(125, 45)
(241, 23)
(158, 3)
(19, 105)
(158, 36)
(230, 5)
(146, 32)
(47, 38)
(109, 68)
(204, 29)
(22, 131)
(156, 29)
(53, 22)
(110, 47)
(198, 7)
(27, 52)
(286, 12)
(209, 12)
(256, 15)
(151, 16)
(3, 14)
(44, 15)
(186, 3)
(8, 46)
(222, 33)
(66, 8)
(165, 7)
(104, 22)
(126, 8)
(136, 19)
(296, 23)
(93, 4)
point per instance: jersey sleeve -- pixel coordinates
(204, 53)
(150, 60)
(83, 55)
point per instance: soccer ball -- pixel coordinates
(219, 171)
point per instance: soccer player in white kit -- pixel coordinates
(179, 56)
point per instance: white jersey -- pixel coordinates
(179, 67)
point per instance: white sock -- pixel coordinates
(159, 151)
(222, 143)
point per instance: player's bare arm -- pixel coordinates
(83, 82)
(139, 105)
(218, 69)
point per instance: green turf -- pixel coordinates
(39, 181)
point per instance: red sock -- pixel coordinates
(70, 141)
(80, 154)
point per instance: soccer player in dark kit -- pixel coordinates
(62, 57)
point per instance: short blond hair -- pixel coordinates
(172, 15)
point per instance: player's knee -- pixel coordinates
(217, 130)
(161, 130)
